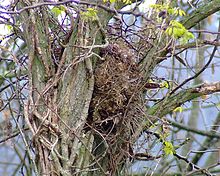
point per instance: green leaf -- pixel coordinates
(169, 31)
(124, 1)
(156, 6)
(183, 41)
(186, 37)
(178, 32)
(168, 148)
(56, 11)
(189, 35)
(177, 24)
(178, 109)
(179, 12)
(182, 12)
(170, 11)
(90, 14)
(9, 27)
(62, 8)
(127, 1)
(164, 84)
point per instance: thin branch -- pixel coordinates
(197, 44)
(198, 73)
(145, 157)
(208, 142)
(192, 165)
(205, 66)
(197, 131)
(204, 31)
(25, 143)
(77, 2)
(12, 135)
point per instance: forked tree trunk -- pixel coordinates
(86, 107)
(59, 99)
(85, 113)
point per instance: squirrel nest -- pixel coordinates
(116, 102)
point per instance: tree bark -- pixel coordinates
(60, 98)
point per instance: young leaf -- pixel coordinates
(178, 32)
(9, 27)
(127, 1)
(182, 12)
(164, 84)
(90, 14)
(56, 11)
(62, 8)
(179, 12)
(170, 11)
(169, 31)
(186, 37)
(178, 109)
(189, 35)
(168, 148)
(124, 1)
(177, 24)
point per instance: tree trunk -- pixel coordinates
(60, 97)
(86, 106)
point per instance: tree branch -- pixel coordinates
(198, 44)
(201, 13)
(173, 101)
(197, 131)
(208, 142)
(203, 68)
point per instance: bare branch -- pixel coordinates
(173, 101)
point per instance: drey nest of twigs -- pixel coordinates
(117, 100)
